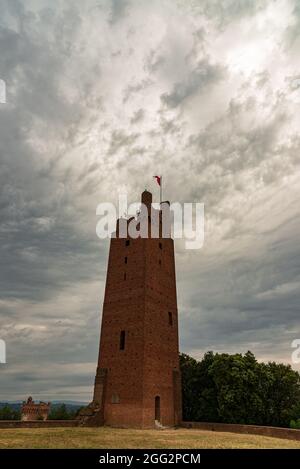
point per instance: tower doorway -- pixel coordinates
(157, 408)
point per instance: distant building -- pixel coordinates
(32, 411)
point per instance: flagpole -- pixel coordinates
(160, 189)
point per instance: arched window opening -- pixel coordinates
(157, 408)
(122, 340)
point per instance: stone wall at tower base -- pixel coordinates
(277, 432)
(90, 416)
(38, 423)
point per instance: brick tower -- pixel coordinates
(138, 378)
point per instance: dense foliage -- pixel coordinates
(295, 424)
(8, 413)
(237, 389)
(61, 412)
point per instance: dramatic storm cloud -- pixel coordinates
(101, 95)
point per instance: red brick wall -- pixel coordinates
(139, 295)
(277, 432)
(161, 339)
(38, 423)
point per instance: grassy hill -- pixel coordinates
(106, 437)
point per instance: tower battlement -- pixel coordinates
(150, 221)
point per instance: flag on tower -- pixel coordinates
(158, 179)
(159, 182)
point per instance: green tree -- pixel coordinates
(238, 389)
(8, 413)
(236, 379)
(198, 389)
(281, 393)
(60, 413)
(295, 424)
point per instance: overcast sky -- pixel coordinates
(102, 95)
